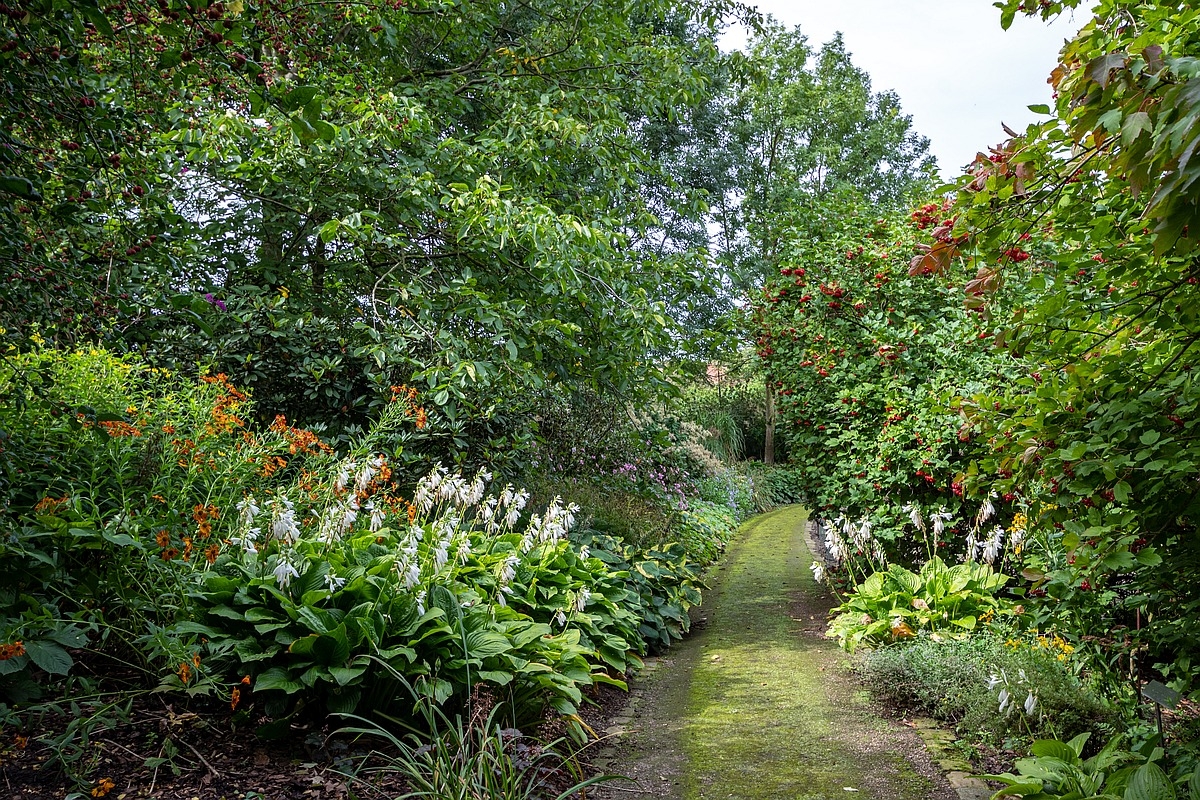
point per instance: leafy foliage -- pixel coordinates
(268, 569)
(899, 604)
(1058, 769)
(327, 200)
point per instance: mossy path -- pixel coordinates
(756, 704)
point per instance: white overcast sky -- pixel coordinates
(957, 73)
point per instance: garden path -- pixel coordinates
(757, 704)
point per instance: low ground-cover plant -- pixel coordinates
(993, 686)
(1057, 769)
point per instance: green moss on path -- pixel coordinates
(756, 705)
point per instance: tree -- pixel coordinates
(805, 139)
(329, 199)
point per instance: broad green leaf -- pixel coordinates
(49, 656)
(1150, 782)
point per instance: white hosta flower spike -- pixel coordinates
(284, 572)
(818, 572)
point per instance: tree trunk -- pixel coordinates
(769, 437)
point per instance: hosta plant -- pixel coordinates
(1057, 769)
(898, 603)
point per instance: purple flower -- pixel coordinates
(214, 301)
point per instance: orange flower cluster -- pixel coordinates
(185, 672)
(49, 505)
(13, 650)
(163, 540)
(399, 506)
(116, 428)
(204, 516)
(103, 787)
(271, 465)
(191, 454)
(235, 697)
(408, 396)
(224, 420)
(298, 439)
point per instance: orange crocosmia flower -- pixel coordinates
(246, 680)
(196, 660)
(235, 697)
(185, 672)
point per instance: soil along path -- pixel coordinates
(756, 704)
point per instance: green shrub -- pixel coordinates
(960, 681)
(705, 528)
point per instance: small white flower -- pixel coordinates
(376, 516)
(364, 478)
(247, 541)
(818, 572)
(333, 582)
(346, 520)
(1030, 703)
(559, 618)
(421, 602)
(914, 514)
(581, 600)
(509, 570)
(284, 572)
(993, 545)
(585, 553)
(412, 574)
(986, 511)
(248, 510)
(1004, 700)
(464, 550)
(993, 682)
(343, 476)
(939, 521)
